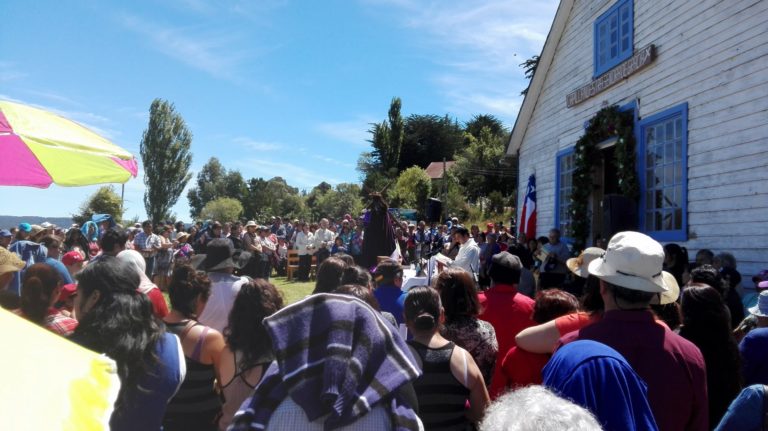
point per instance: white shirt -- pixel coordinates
(302, 241)
(468, 257)
(324, 236)
(224, 289)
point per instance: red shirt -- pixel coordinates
(518, 368)
(508, 311)
(57, 322)
(671, 366)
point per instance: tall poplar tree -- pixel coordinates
(165, 153)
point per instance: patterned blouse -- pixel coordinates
(476, 337)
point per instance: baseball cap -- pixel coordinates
(71, 258)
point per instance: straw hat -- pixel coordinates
(579, 265)
(632, 260)
(9, 261)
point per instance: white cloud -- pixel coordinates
(255, 145)
(9, 72)
(353, 132)
(296, 176)
(332, 161)
(480, 45)
(209, 51)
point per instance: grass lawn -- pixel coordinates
(292, 290)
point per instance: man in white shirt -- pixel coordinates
(224, 286)
(323, 241)
(469, 252)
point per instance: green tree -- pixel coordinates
(529, 66)
(412, 189)
(104, 201)
(344, 199)
(165, 154)
(222, 209)
(475, 126)
(214, 181)
(479, 168)
(429, 138)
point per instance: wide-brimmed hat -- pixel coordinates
(579, 265)
(9, 261)
(5, 233)
(671, 295)
(632, 260)
(36, 230)
(182, 236)
(761, 309)
(251, 223)
(218, 255)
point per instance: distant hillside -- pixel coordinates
(10, 221)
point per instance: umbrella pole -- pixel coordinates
(122, 200)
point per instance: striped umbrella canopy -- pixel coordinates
(38, 148)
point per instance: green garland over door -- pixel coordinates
(609, 122)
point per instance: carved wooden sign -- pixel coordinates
(639, 60)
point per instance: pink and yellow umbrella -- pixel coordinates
(38, 148)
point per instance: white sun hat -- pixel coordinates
(632, 260)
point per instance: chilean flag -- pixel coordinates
(528, 217)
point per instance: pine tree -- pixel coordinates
(165, 153)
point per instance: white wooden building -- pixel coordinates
(695, 75)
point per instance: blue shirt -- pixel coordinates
(599, 379)
(391, 299)
(745, 412)
(61, 269)
(31, 253)
(754, 356)
(144, 409)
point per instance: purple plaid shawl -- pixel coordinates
(335, 356)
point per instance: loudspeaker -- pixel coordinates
(619, 214)
(434, 210)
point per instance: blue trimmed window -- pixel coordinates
(566, 164)
(614, 31)
(664, 175)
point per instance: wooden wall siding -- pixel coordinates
(711, 54)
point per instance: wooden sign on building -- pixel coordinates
(639, 60)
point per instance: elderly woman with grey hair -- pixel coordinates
(536, 408)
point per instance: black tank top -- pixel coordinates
(442, 398)
(196, 405)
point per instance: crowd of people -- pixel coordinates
(505, 332)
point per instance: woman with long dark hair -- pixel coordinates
(706, 324)
(458, 295)
(249, 349)
(40, 291)
(451, 379)
(116, 319)
(676, 262)
(196, 405)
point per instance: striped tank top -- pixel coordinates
(196, 405)
(442, 398)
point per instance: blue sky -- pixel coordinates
(270, 87)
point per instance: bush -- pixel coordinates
(222, 209)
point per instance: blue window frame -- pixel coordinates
(566, 164)
(613, 36)
(664, 174)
